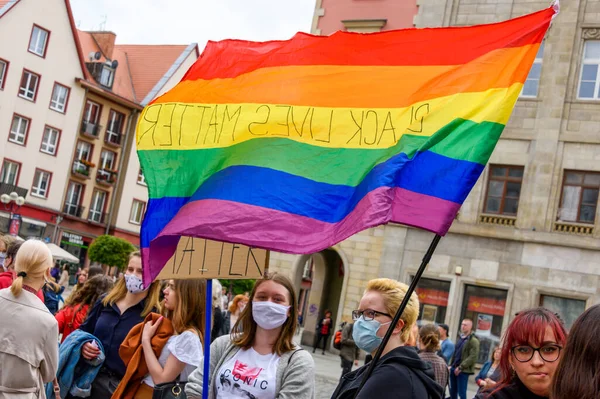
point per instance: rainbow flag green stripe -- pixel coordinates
(334, 166)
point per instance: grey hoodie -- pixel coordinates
(295, 373)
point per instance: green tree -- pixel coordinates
(238, 286)
(110, 251)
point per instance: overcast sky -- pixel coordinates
(187, 21)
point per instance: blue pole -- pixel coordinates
(207, 325)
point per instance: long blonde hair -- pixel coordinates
(120, 290)
(33, 259)
(284, 342)
(190, 307)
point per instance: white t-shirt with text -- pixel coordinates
(248, 375)
(187, 348)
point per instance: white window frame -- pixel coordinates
(55, 103)
(589, 61)
(107, 76)
(3, 70)
(79, 151)
(539, 57)
(89, 106)
(104, 159)
(35, 40)
(50, 140)
(113, 116)
(141, 178)
(20, 137)
(7, 167)
(36, 189)
(27, 92)
(70, 193)
(96, 206)
(137, 209)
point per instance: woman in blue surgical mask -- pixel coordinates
(399, 373)
(262, 362)
(111, 319)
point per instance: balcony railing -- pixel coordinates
(574, 228)
(81, 168)
(502, 220)
(73, 209)
(106, 177)
(6, 188)
(90, 129)
(97, 217)
(113, 139)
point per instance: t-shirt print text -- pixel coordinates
(243, 379)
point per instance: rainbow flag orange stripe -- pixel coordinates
(295, 145)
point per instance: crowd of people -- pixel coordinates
(122, 339)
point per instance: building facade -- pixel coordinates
(169, 64)
(529, 232)
(69, 101)
(362, 16)
(40, 108)
(106, 126)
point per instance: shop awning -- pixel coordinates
(60, 254)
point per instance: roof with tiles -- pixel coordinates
(122, 83)
(140, 68)
(149, 63)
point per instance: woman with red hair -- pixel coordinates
(531, 350)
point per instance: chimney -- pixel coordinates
(106, 41)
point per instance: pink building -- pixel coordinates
(362, 15)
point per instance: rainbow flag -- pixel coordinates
(296, 145)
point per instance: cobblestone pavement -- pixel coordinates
(328, 370)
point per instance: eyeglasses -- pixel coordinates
(368, 314)
(524, 353)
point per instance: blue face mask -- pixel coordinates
(364, 334)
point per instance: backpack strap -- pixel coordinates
(293, 353)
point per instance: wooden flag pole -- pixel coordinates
(411, 289)
(207, 328)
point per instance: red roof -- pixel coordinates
(149, 63)
(140, 66)
(4, 2)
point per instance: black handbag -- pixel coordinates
(170, 390)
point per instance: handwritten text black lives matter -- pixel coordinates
(213, 124)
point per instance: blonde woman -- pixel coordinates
(263, 362)
(399, 373)
(111, 319)
(29, 344)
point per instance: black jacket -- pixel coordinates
(400, 374)
(515, 390)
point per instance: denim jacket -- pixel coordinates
(75, 374)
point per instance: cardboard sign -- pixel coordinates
(201, 258)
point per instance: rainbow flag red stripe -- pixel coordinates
(296, 145)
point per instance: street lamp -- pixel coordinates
(13, 202)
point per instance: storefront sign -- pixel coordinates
(432, 297)
(484, 324)
(429, 313)
(15, 225)
(73, 238)
(490, 306)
